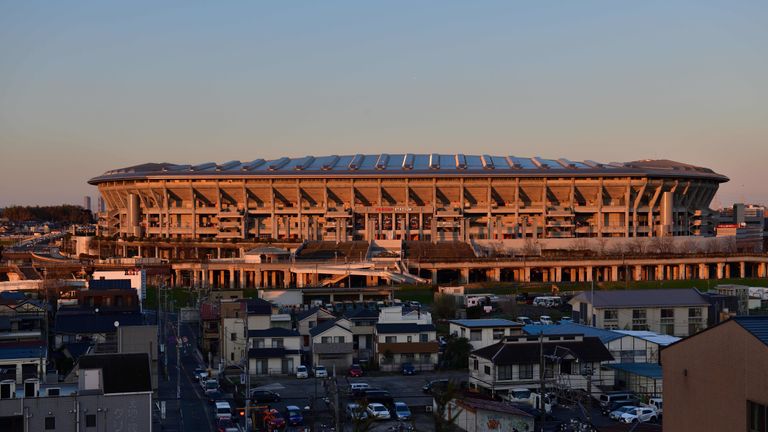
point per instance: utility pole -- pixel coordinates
(247, 372)
(542, 376)
(178, 355)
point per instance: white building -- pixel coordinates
(405, 336)
(484, 332)
(274, 351)
(331, 344)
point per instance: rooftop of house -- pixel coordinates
(483, 323)
(605, 336)
(88, 323)
(665, 297)
(647, 370)
(22, 350)
(588, 349)
(757, 325)
(326, 325)
(659, 339)
(115, 368)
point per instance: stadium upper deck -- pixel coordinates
(408, 196)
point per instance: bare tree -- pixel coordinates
(531, 247)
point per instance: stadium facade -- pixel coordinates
(427, 197)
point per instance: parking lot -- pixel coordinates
(303, 392)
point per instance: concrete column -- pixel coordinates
(286, 278)
(496, 274)
(683, 271)
(274, 279)
(742, 269)
(464, 278)
(675, 270)
(221, 279)
(177, 279)
(589, 274)
(660, 272)
(527, 274)
(580, 272)
(614, 273)
(703, 271)
(242, 279)
(231, 278)
(638, 272)
(558, 274)
(257, 279)
(720, 268)
(434, 276)
(761, 270)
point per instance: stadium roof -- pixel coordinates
(409, 165)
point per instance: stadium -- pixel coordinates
(410, 197)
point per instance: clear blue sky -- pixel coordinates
(90, 86)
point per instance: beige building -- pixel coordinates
(484, 332)
(675, 312)
(331, 345)
(232, 339)
(274, 351)
(717, 380)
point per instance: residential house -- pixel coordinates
(96, 328)
(363, 332)
(274, 351)
(405, 336)
(20, 361)
(106, 398)
(676, 312)
(210, 323)
(572, 362)
(233, 313)
(479, 415)
(307, 320)
(331, 344)
(484, 332)
(717, 380)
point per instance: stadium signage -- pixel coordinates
(394, 209)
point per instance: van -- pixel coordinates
(606, 399)
(223, 410)
(355, 387)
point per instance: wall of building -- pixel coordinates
(709, 378)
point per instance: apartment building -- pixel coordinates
(405, 336)
(675, 312)
(484, 332)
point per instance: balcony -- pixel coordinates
(333, 348)
(409, 347)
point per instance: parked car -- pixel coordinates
(222, 410)
(275, 419)
(320, 371)
(618, 412)
(355, 371)
(402, 412)
(200, 374)
(355, 411)
(378, 411)
(227, 425)
(606, 399)
(210, 384)
(524, 320)
(262, 396)
(302, 372)
(414, 304)
(657, 403)
(434, 385)
(639, 414)
(358, 387)
(408, 369)
(378, 396)
(293, 415)
(631, 401)
(545, 320)
(213, 396)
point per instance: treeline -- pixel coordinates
(64, 213)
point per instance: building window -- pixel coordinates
(475, 364)
(426, 358)
(758, 417)
(390, 339)
(233, 336)
(90, 420)
(326, 339)
(566, 366)
(505, 372)
(667, 314)
(258, 343)
(463, 332)
(50, 423)
(423, 337)
(232, 356)
(639, 321)
(339, 339)
(475, 335)
(498, 334)
(638, 313)
(487, 370)
(694, 313)
(311, 324)
(610, 315)
(277, 343)
(409, 339)
(525, 371)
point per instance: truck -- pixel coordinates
(529, 397)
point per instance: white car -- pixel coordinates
(223, 410)
(321, 372)
(639, 414)
(355, 411)
(378, 411)
(545, 320)
(302, 372)
(616, 414)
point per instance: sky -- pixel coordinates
(88, 86)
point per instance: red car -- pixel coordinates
(275, 419)
(355, 370)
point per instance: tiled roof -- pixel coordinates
(590, 349)
(572, 329)
(323, 326)
(643, 298)
(482, 323)
(757, 325)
